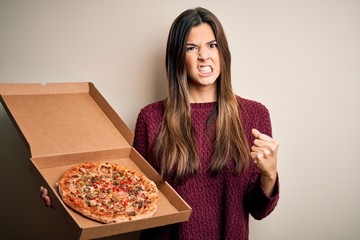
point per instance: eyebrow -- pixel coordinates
(193, 44)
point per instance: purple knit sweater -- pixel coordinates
(220, 204)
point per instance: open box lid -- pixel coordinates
(64, 118)
(63, 123)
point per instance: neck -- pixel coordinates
(202, 95)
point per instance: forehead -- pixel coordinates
(201, 33)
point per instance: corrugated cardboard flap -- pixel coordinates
(67, 123)
(64, 118)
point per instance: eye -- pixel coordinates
(213, 45)
(191, 48)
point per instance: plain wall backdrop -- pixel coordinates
(299, 58)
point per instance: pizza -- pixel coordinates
(108, 192)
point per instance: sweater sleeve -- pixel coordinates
(140, 138)
(257, 203)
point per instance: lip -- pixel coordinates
(204, 65)
(205, 70)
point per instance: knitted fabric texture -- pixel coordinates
(221, 204)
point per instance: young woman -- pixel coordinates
(214, 147)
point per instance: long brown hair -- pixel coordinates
(174, 152)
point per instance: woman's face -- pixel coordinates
(202, 58)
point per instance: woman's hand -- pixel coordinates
(45, 196)
(264, 154)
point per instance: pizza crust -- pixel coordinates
(108, 193)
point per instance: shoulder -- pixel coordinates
(255, 115)
(249, 106)
(155, 106)
(151, 111)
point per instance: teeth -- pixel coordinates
(204, 70)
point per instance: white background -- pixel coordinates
(299, 58)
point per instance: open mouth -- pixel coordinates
(205, 69)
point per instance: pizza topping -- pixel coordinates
(130, 211)
(104, 169)
(115, 192)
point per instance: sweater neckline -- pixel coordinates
(204, 105)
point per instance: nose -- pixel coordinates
(203, 54)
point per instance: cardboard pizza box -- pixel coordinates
(64, 124)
